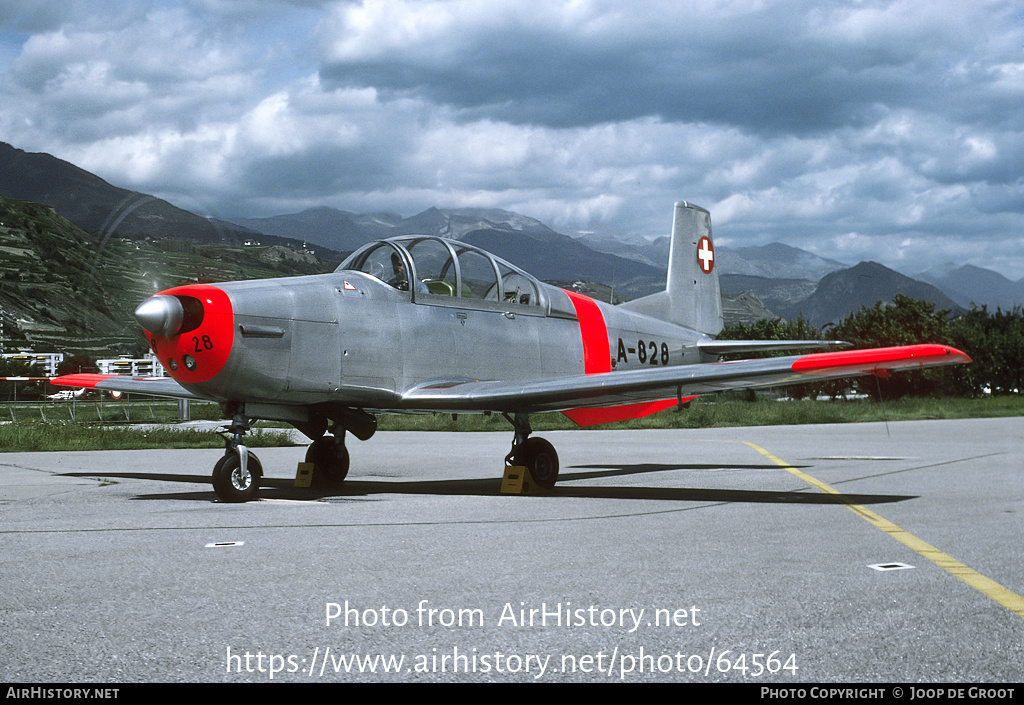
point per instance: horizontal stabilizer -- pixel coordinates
(724, 347)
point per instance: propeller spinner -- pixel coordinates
(161, 315)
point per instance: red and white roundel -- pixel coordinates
(705, 254)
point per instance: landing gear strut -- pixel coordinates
(536, 454)
(236, 476)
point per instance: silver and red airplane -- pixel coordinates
(428, 324)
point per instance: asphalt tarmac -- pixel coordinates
(853, 553)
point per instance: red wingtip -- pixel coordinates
(83, 379)
(875, 359)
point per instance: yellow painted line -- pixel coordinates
(986, 586)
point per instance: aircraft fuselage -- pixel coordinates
(349, 338)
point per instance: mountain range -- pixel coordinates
(97, 206)
(65, 289)
(524, 241)
(767, 281)
(973, 286)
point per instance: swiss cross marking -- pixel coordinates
(705, 255)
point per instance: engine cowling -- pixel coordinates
(190, 329)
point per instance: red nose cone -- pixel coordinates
(199, 346)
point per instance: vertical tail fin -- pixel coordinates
(692, 297)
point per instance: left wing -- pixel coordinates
(157, 386)
(680, 382)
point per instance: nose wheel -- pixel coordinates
(237, 475)
(234, 483)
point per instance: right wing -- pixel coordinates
(632, 387)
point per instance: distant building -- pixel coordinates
(46, 361)
(148, 366)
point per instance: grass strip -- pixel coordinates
(702, 413)
(32, 437)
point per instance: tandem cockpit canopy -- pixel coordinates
(447, 268)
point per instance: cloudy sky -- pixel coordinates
(877, 130)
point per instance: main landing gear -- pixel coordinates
(536, 454)
(327, 451)
(330, 456)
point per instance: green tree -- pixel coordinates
(772, 329)
(76, 364)
(23, 390)
(904, 321)
(995, 341)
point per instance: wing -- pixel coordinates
(640, 387)
(157, 386)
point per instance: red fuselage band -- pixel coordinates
(594, 332)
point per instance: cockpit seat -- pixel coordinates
(441, 288)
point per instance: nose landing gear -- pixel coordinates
(236, 476)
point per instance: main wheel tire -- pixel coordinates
(330, 456)
(540, 458)
(231, 484)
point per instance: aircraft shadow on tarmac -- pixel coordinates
(283, 488)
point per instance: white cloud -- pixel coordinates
(834, 126)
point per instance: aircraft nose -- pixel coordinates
(161, 315)
(190, 329)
